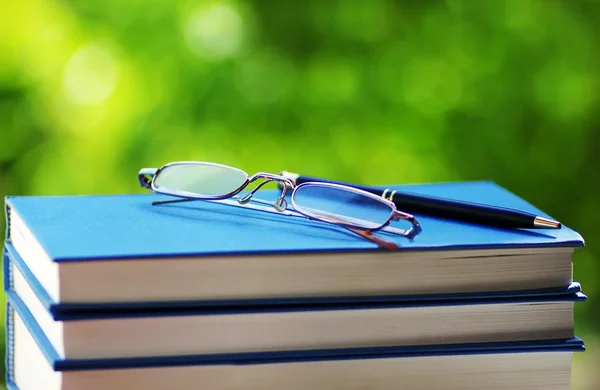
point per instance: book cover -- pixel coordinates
(78, 228)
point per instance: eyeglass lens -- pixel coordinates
(199, 179)
(339, 205)
(319, 201)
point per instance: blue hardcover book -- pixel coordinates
(172, 331)
(90, 251)
(13, 265)
(522, 364)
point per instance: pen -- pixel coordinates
(447, 208)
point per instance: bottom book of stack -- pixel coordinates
(546, 364)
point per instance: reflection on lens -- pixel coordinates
(341, 205)
(199, 179)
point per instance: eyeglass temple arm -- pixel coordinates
(382, 243)
(145, 176)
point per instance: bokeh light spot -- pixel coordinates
(215, 31)
(90, 75)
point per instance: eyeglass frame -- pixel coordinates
(285, 182)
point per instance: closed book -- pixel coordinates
(33, 363)
(120, 249)
(518, 316)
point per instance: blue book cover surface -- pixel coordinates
(128, 226)
(83, 310)
(59, 364)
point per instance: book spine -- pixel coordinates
(8, 280)
(10, 346)
(7, 214)
(10, 316)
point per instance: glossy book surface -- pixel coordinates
(128, 226)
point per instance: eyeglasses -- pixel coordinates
(358, 211)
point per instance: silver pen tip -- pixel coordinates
(542, 222)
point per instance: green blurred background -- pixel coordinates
(363, 91)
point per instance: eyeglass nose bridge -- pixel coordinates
(278, 178)
(285, 181)
(280, 203)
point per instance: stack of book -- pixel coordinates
(110, 292)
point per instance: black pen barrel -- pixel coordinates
(463, 211)
(445, 208)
